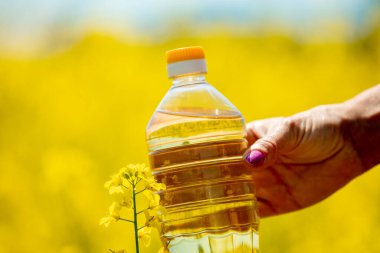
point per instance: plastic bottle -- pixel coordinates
(196, 139)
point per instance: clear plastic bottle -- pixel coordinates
(196, 139)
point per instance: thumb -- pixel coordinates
(266, 150)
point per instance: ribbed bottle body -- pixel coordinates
(197, 152)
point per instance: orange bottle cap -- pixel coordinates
(184, 54)
(186, 61)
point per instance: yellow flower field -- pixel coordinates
(69, 120)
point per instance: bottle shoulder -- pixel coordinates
(197, 100)
(194, 113)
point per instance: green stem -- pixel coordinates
(142, 211)
(126, 186)
(141, 191)
(126, 220)
(135, 219)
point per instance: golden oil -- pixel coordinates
(210, 198)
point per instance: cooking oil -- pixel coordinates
(196, 139)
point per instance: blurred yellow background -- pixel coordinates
(69, 118)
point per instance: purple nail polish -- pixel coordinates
(255, 157)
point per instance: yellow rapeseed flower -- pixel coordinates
(126, 201)
(106, 221)
(137, 171)
(113, 215)
(116, 189)
(114, 210)
(152, 184)
(125, 186)
(144, 235)
(163, 250)
(119, 251)
(133, 171)
(154, 199)
(115, 185)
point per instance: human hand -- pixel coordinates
(300, 160)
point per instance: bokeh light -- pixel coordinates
(79, 81)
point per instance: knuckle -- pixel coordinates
(268, 144)
(291, 123)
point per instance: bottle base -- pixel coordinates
(228, 242)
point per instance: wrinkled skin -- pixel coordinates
(309, 156)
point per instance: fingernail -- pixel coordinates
(255, 157)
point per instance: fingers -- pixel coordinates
(275, 194)
(273, 137)
(265, 208)
(259, 128)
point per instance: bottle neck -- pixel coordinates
(188, 79)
